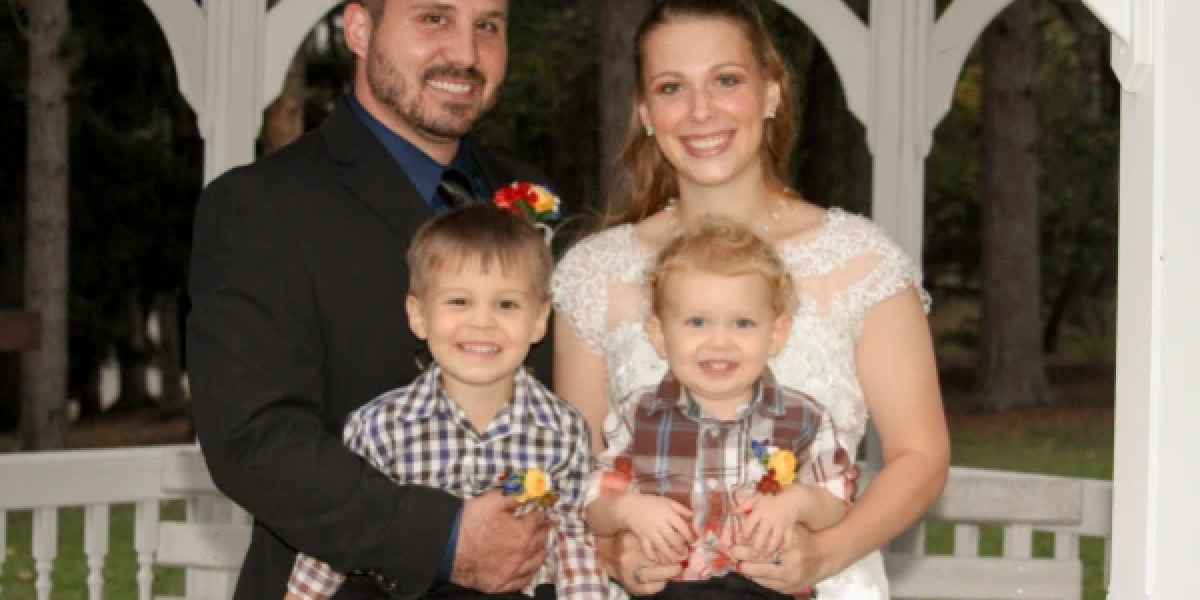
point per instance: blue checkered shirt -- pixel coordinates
(416, 435)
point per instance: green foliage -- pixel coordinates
(135, 171)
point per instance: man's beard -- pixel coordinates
(388, 88)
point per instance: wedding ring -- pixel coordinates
(637, 574)
(778, 560)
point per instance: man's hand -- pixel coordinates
(637, 573)
(497, 552)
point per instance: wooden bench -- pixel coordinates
(1020, 505)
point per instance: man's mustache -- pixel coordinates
(471, 74)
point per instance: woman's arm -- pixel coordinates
(898, 374)
(579, 378)
(899, 379)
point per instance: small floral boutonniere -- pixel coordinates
(778, 466)
(529, 485)
(531, 201)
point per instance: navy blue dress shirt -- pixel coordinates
(424, 172)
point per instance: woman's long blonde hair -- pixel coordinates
(652, 181)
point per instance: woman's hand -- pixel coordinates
(798, 567)
(628, 564)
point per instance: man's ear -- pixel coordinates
(779, 333)
(356, 29)
(416, 317)
(654, 330)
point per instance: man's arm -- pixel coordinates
(255, 360)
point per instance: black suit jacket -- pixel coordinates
(297, 286)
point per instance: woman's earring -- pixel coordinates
(649, 131)
(771, 114)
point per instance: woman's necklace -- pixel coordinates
(763, 228)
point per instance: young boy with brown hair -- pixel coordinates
(475, 420)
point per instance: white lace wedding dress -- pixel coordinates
(841, 269)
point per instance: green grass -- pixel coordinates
(70, 568)
(1074, 442)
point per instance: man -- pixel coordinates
(298, 284)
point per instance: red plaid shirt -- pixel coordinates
(674, 449)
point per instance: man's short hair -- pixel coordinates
(720, 246)
(496, 237)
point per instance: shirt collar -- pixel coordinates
(423, 171)
(531, 404)
(768, 398)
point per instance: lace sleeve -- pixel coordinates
(579, 288)
(881, 269)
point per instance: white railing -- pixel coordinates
(97, 480)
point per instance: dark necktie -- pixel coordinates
(455, 189)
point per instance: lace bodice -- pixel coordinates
(841, 270)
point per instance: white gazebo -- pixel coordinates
(899, 74)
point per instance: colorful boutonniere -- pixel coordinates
(779, 466)
(529, 200)
(529, 485)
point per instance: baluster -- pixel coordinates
(1018, 541)
(1066, 545)
(95, 546)
(45, 548)
(145, 543)
(3, 543)
(966, 540)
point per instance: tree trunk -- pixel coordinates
(44, 370)
(172, 401)
(284, 119)
(618, 23)
(1010, 371)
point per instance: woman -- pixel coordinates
(711, 133)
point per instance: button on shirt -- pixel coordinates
(675, 449)
(424, 172)
(416, 435)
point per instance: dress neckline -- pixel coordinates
(795, 242)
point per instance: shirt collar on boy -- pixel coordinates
(768, 398)
(531, 404)
(424, 172)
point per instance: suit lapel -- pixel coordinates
(366, 169)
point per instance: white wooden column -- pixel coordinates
(897, 133)
(231, 58)
(1156, 491)
(232, 115)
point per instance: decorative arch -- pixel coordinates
(288, 23)
(846, 40)
(178, 20)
